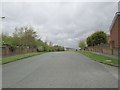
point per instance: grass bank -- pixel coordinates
(101, 58)
(19, 57)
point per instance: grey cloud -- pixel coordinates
(119, 6)
(62, 23)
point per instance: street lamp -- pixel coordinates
(3, 17)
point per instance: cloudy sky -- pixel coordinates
(63, 23)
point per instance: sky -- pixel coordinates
(62, 23)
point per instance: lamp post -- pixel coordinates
(3, 17)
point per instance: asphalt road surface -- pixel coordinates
(59, 70)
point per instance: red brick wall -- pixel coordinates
(115, 31)
(119, 30)
(105, 48)
(19, 50)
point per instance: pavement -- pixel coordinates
(108, 55)
(59, 70)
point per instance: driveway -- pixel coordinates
(59, 70)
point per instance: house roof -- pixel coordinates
(114, 19)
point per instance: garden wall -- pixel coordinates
(6, 51)
(105, 48)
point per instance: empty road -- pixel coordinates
(59, 70)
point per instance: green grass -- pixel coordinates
(100, 58)
(19, 57)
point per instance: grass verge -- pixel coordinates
(18, 57)
(101, 58)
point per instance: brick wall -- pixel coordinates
(104, 48)
(6, 51)
(115, 32)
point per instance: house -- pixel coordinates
(115, 32)
(112, 46)
(108, 39)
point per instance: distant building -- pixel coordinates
(68, 49)
(115, 32)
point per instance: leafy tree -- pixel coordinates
(25, 36)
(82, 44)
(58, 48)
(97, 38)
(8, 40)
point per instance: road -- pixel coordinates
(59, 70)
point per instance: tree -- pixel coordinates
(97, 38)
(25, 36)
(82, 44)
(8, 40)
